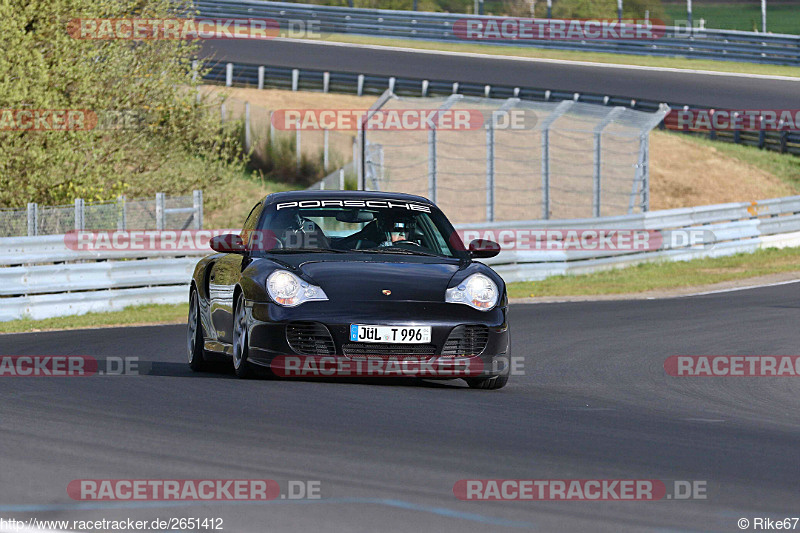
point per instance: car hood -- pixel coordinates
(408, 280)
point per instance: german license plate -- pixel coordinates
(390, 334)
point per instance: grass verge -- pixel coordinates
(663, 275)
(130, 316)
(570, 55)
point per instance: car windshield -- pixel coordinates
(370, 226)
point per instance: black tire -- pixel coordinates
(241, 366)
(194, 335)
(496, 382)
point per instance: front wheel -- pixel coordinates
(194, 335)
(241, 365)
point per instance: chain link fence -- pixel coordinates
(562, 160)
(161, 212)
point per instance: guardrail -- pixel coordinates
(110, 280)
(262, 76)
(728, 229)
(727, 45)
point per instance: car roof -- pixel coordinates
(292, 196)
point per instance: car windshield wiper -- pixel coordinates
(398, 251)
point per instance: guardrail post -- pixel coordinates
(360, 88)
(325, 135)
(391, 83)
(341, 179)
(160, 215)
(455, 88)
(79, 212)
(425, 85)
(247, 137)
(261, 77)
(486, 90)
(33, 219)
(490, 171)
(197, 204)
(229, 75)
(326, 82)
(295, 78)
(122, 213)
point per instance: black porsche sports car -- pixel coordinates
(352, 280)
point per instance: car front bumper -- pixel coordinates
(271, 347)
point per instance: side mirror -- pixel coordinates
(227, 244)
(483, 248)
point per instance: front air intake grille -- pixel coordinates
(310, 338)
(366, 350)
(466, 340)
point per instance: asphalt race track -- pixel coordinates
(734, 92)
(594, 403)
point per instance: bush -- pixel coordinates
(182, 145)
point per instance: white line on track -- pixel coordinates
(734, 289)
(540, 60)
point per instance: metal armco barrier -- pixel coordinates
(726, 45)
(37, 288)
(287, 78)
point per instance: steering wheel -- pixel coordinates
(395, 243)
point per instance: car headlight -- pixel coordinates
(476, 291)
(288, 290)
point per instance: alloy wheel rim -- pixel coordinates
(239, 336)
(191, 335)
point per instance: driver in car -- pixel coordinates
(396, 230)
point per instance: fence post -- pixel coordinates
(271, 132)
(298, 147)
(325, 134)
(356, 161)
(490, 171)
(598, 155)
(247, 137)
(229, 75)
(560, 109)
(160, 211)
(197, 204)
(33, 219)
(260, 77)
(432, 164)
(546, 174)
(360, 90)
(392, 81)
(295, 79)
(79, 221)
(326, 82)
(122, 213)
(425, 84)
(341, 179)
(222, 111)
